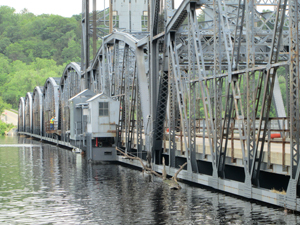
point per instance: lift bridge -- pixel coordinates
(198, 86)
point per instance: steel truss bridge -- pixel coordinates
(206, 74)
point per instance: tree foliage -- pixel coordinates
(33, 48)
(3, 106)
(4, 127)
(25, 36)
(22, 78)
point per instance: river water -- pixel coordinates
(44, 184)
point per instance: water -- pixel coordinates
(44, 184)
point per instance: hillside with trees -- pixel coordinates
(33, 48)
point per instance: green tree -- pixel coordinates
(3, 106)
(33, 48)
(72, 52)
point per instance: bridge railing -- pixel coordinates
(51, 128)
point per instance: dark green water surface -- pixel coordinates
(44, 184)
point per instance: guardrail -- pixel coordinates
(12, 110)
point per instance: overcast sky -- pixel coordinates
(65, 8)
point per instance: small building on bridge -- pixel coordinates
(103, 115)
(78, 115)
(102, 119)
(93, 121)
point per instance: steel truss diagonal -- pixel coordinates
(122, 100)
(268, 92)
(180, 87)
(197, 47)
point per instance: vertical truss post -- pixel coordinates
(250, 76)
(294, 103)
(110, 16)
(86, 38)
(94, 28)
(269, 146)
(287, 88)
(116, 68)
(238, 34)
(160, 112)
(101, 73)
(192, 92)
(112, 72)
(128, 88)
(106, 70)
(225, 132)
(154, 12)
(82, 35)
(121, 122)
(144, 95)
(139, 124)
(180, 98)
(131, 123)
(218, 27)
(85, 49)
(172, 114)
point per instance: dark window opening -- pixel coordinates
(103, 108)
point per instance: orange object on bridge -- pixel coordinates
(277, 135)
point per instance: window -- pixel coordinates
(103, 108)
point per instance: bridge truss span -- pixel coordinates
(222, 59)
(214, 83)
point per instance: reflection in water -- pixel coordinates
(41, 183)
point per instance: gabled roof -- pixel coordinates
(85, 92)
(98, 95)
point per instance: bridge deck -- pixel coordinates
(273, 158)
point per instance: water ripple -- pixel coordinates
(43, 184)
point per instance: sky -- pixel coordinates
(65, 8)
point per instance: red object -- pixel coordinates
(167, 129)
(277, 135)
(96, 142)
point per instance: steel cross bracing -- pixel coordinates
(192, 93)
(180, 87)
(122, 100)
(205, 95)
(219, 70)
(268, 91)
(132, 109)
